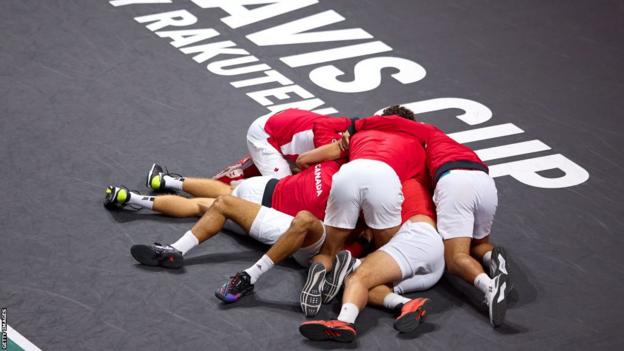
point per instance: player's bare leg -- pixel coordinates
(336, 238)
(305, 231)
(205, 187)
(410, 311)
(459, 262)
(224, 207)
(161, 180)
(377, 269)
(178, 206)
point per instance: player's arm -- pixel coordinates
(326, 152)
(330, 144)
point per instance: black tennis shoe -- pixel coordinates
(310, 298)
(343, 265)
(157, 255)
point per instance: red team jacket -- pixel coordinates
(401, 151)
(307, 190)
(443, 153)
(291, 132)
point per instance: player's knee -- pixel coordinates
(360, 277)
(454, 261)
(222, 202)
(304, 220)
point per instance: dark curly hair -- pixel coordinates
(399, 110)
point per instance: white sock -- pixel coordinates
(482, 282)
(348, 313)
(392, 300)
(262, 266)
(141, 200)
(172, 183)
(487, 259)
(356, 264)
(186, 242)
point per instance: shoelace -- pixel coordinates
(234, 281)
(160, 249)
(171, 173)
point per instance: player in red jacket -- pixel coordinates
(370, 183)
(275, 141)
(412, 260)
(466, 200)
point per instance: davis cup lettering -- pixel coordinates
(206, 52)
(270, 76)
(367, 75)
(525, 171)
(219, 67)
(510, 150)
(188, 36)
(179, 18)
(474, 112)
(293, 32)
(496, 131)
(240, 16)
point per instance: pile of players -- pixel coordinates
(325, 185)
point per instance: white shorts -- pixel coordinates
(269, 225)
(419, 251)
(252, 189)
(369, 185)
(466, 202)
(267, 158)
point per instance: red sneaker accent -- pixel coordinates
(242, 169)
(412, 314)
(328, 330)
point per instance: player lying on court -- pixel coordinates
(263, 206)
(371, 183)
(303, 227)
(466, 202)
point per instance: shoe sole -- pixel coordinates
(144, 254)
(498, 308)
(411, 320)
(226, 300)
(319, 332)
(310, 298)
(337, 276)
(495, 254)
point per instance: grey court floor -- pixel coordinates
(92, 92)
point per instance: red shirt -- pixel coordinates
(417, 199)
(443, 153)
(307, 190)
(401, 151)
(291, 133)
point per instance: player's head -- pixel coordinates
(398, 110)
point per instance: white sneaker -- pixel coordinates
(496, 299)
(500, 265)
